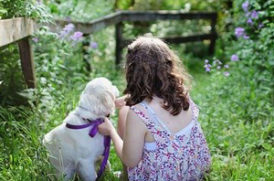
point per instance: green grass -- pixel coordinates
(233, 143)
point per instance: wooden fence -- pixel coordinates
(120, 17)
(19, 30)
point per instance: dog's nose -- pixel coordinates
(107, 115)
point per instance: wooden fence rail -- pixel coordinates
(20, 29)
(141, 16)
(120, 17)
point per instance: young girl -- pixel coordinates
(162, 138)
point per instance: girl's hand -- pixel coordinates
(120, 102)
(106, 128)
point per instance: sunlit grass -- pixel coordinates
(233, 143)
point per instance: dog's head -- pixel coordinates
(99, 96)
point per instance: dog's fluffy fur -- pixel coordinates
(73, 151)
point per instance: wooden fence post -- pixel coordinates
(119, 39)
(85, 46)
(27, 64)
(213, 33)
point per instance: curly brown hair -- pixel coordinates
(153, 69)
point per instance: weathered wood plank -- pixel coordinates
(177, 40)
(120, 16)
(89, 27)
(27, 63)
(164, 15)
(190, 38)
(12, 30)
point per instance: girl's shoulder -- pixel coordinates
(191, 102)
(138, 111)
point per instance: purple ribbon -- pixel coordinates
(93, 131)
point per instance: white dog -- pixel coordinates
(73, 150)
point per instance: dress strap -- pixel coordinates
(160, 126)
(159, 133)
(140, 114)
(155, 117)
(195, 110)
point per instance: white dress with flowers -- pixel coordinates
(181, 157)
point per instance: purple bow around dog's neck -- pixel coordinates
(93, 131)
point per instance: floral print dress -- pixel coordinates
(183, 156)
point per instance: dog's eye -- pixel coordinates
(108, 115)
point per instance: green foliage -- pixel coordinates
(25, 8)
(208, 5)
(80, 10)
(238, 110)
(10, 81)
(20, 131)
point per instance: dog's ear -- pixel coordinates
(115, 91)
(100, 105)
(107, 100)
(99, 96)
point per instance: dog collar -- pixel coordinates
(94, 124)
(93, 131)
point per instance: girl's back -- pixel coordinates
(175, 147)
(173, 123)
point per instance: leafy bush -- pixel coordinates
(238, 108)
(10, 81)
(80, 10)
(23, 8)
